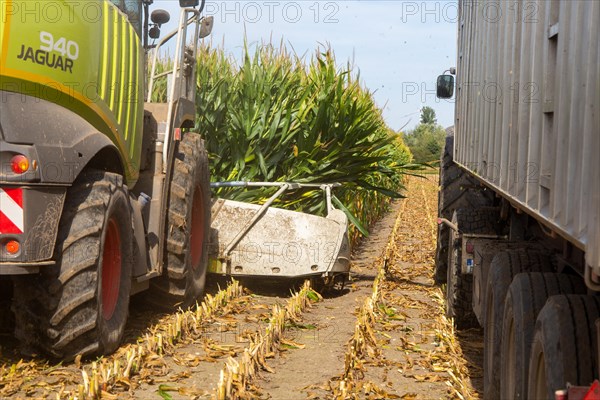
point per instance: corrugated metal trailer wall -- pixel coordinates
(527, 118)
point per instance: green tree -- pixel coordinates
(428, 116)
(427, 139)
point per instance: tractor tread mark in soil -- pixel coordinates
(181, 282)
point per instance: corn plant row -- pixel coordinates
(445, 333)
(363, 342)
(444, 329)
(275, 116)
(122, 366)
(237, 375)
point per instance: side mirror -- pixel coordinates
(154, 32)
(445, 86)
(206, 26)
(160, 17)
(188, 3)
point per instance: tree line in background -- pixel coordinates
(427, 140)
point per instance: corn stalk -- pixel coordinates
(130, 360)
(363, 343)
(236, 377)
(279, 117)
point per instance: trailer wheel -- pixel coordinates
(449, 173)
(188, 228)
(526, 296)
(457, 190)
(564, 345)
(81, 306)
(505, 265)
(459, 286)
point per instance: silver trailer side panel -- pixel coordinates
(527, 117)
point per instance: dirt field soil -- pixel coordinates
(384, 336)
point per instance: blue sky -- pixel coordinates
(399, 47)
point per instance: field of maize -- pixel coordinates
(278, 117)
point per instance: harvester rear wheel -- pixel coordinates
(188, 228)
(81, 305)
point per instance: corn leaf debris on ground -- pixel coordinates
(267, 343)
(236, 378)
(404, 346)
(121, 370)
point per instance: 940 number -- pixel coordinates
(66, 48)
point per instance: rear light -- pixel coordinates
(19, 164)
(470, 248)
(12, 247)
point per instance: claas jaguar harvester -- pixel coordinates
(103, 194)
(519, 203)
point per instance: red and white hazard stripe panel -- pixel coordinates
(11, 211)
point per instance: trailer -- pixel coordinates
(519, 202)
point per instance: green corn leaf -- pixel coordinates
(387, 192)
(350, 216)
(163, 391)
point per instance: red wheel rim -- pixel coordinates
(111, 269)
(197, 233)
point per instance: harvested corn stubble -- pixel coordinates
(236, 378)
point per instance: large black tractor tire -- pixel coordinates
(564, 345)
(6, 315)
(80, 307)
(459, 286)
(188, 228)
(505, 265)
(526, 296)
(458, 189)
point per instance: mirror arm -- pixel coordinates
(171, 34)
(146, 19)
(451, 70)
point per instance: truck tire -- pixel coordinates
(80, 307)
(188, 227)
(504, 266)
(458, 189)
(459, 286)
(526, 296)
(564, 345)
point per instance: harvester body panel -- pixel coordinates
(281, 243)
(83, 56)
